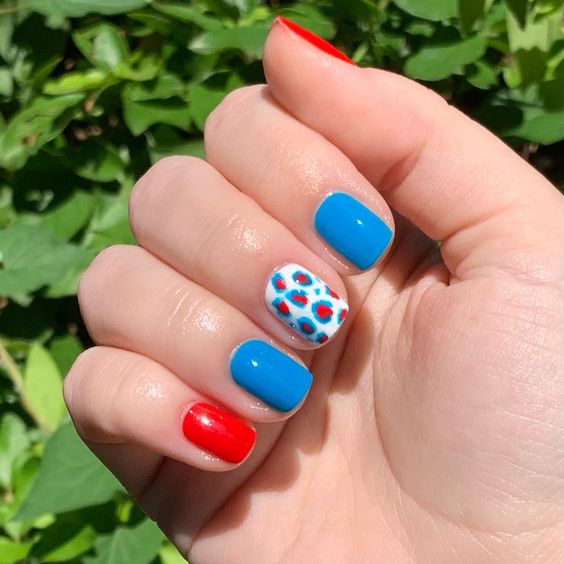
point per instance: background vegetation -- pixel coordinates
(94, 91)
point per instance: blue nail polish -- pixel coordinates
(352, 229)
(269, 375)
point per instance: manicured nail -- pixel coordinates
(305, 303)
(352, 229)
(270, 375)
(325, 46)
(218, 432)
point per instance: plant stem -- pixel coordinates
(14, 373)
(10, 10)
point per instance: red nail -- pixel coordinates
(218, 432)
(313, 39)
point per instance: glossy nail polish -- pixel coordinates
(218, 432)
(269, 374)
(310, 37)
(352, 229)
(305, 303)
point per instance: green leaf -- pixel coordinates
(165, 141)
(110, 224)
(67, 285)
(482, 75)
(469, 12)
(96, 161)
(43, 387)
(162, 87)
(536, 34)
(7, 26)
(170, 555)
(32, 257)
(205, 97)
(539, 126)
(139, 544)
(187, 14)
(64, 351)
(444, 55)
(13, 441)
(418, 27)
(66, 539)
(435, 10)
(78, 8)
(70, 217)
(311, 18)
(519, 9)
(79, 81)
(249, 40)
(11, 551)
(103, 45)
(70, 477)
(6, 82)
(139, 116)
(42, 120)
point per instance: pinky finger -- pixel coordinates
(116, 396)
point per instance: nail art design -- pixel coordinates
(310, 37)
(305, 303)
(218, 432)
(352, 229)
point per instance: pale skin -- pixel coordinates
(433, 430)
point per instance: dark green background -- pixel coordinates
(94, 91)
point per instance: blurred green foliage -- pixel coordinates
(94, 91)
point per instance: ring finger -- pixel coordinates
(131, 300)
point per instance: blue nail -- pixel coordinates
(269, 375)
(352, 229)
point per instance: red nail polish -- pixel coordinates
(325, 46)
(218, 432)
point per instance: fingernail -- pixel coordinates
(218, 432)
(315, 40)
(352, 229)
(305, 303)
(270, 375)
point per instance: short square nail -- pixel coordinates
(218, 432)
(352, 229)
(305, 303)
(270, 375)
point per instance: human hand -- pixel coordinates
(432, 432)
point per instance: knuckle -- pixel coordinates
(77, 386)
(152, 189)
(234, 103)
(102, 270)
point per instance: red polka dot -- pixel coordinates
(302, 278)
(280, 283)
(323, 311)
(299, 299)
(282, 307)
(343, 314)
(306, 327)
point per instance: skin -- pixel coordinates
(433, 430)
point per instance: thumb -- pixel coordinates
(448, 175)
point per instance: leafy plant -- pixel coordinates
(94, 91)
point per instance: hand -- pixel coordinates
(432, 432)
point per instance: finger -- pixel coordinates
(299, 178)
(116, 396)
(131, 300)
(449, 176)
(190, 216)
